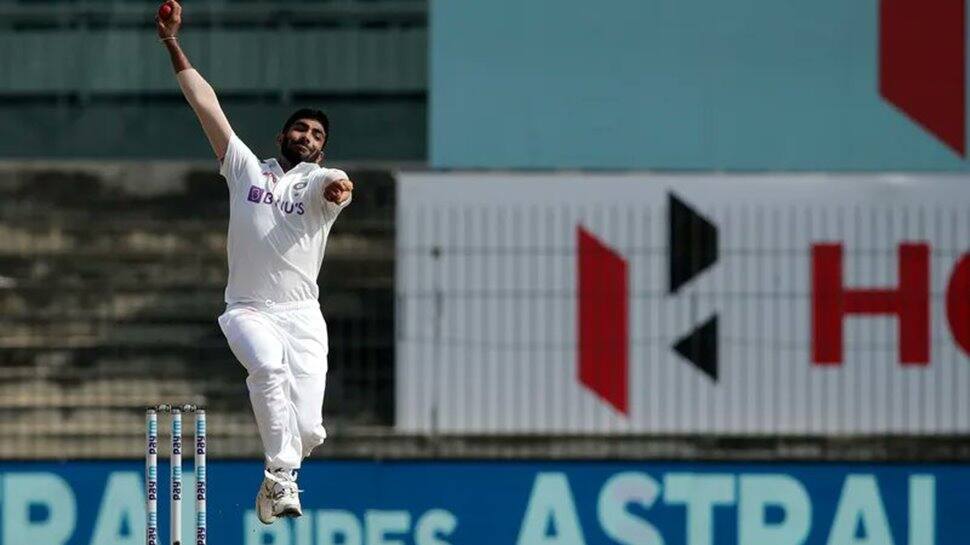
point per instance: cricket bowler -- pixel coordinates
(281, 211)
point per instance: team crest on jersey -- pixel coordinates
(270, 176)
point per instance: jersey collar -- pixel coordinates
(304, 167)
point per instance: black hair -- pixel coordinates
(309, 113)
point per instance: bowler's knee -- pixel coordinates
(265, 373)
(312, 438)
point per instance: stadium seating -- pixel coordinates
(111, 279)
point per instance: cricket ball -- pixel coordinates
(165, 11)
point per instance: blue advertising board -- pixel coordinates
(516, 503)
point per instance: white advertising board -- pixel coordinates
(644, 303)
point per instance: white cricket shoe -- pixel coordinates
(278, 496)
(264, 501)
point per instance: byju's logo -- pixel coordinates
(259, 195)
(603, 332)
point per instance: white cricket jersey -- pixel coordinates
(278, 227)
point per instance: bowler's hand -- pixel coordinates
(338, 192)
(169, 28)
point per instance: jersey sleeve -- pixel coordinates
(330, 209)
(237, 160)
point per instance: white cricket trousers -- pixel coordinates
(283, 347)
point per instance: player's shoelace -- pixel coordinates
(282, 490)
(285, 485)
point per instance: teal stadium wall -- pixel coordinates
(658, 84)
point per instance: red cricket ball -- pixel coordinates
(165, 11)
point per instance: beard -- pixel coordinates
(290, 151)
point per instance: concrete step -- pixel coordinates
(167, 241)
(44, 303)
(163, 191)
(115, 357)
(53, 237)
(115, 421)
(42, 306)
(120, 432)
(75, 334)
(106, 393)
(127, 271)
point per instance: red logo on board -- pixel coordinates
(922, 65)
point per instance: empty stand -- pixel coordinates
(111, 280)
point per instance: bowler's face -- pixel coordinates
(303, 141)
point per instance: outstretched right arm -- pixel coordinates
(200, 95)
